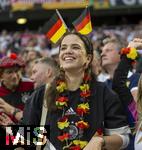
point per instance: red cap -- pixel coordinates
(11, 61)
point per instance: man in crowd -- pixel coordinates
(44, 70)
(110, 58)
(14, 89)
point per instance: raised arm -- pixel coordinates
(120, 79)
(120, 76)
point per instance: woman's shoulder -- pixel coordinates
(102, 87)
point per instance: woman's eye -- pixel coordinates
(62, 48)
(76, 47)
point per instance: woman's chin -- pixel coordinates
(69, 68)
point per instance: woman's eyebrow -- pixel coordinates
(75, 45)
(63, 45)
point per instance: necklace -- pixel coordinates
(69, 131)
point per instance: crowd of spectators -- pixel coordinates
(34, 44)
(107, 41)
(19, 41)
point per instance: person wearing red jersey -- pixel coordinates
(14, 89)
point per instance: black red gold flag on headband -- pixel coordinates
(83, 23)
(54, 28)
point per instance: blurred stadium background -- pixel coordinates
(37, 12)
(119, 17)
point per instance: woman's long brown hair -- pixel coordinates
(139, 99)
(51, 93)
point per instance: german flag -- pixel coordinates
(55, 28)
(83, 23)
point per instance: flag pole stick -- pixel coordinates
(62, 19)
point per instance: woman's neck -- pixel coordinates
(74, 80)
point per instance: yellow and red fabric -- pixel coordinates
(130, 52)
(55, 28)
(83, 23)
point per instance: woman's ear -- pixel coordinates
(89, 60)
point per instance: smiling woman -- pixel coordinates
(73, 56)
(82, 112)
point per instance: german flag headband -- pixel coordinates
(55, 28)
(83, 23)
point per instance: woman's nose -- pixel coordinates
(69, 50)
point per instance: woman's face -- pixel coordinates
(72, 54)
